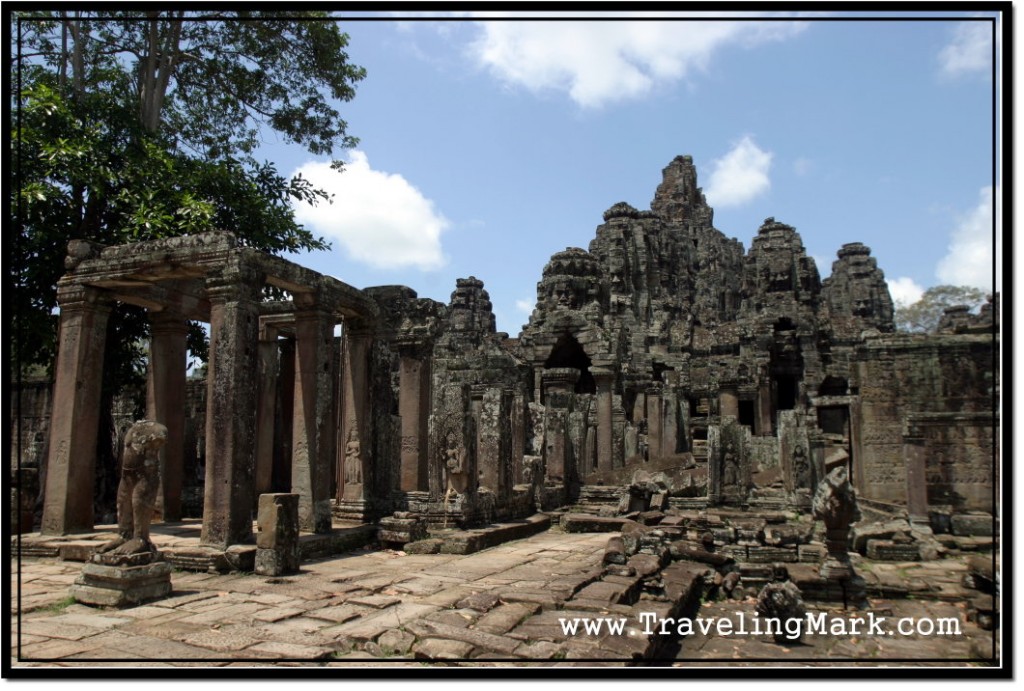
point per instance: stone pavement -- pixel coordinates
(497, 607)
(357, 606)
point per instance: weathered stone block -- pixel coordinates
(278, 539)
(430, 546)
(886, 550)
(769, 555)
(810, 554)
(973, 524)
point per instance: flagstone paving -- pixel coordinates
(384, 608)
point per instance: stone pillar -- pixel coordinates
(714, 447)
(670, 421)
(165, 403)
(604, 379)
(618, 433)
(493, 441)
(728, 403)
(230, 413)
(281, 470)
(518, 435)
(764, 410)
(74, 420)
(277, 543)
(559, 383)
(654, 420)
(914, 459)
(413, 406)
(354, 451)
(856, 449)
(311, 418)
(266, 408)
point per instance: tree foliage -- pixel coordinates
(131, 126)
(923, 316)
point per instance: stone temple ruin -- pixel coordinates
(665, 369)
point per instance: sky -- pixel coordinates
(487, 144)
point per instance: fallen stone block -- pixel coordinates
(973, 524)
(587, 523)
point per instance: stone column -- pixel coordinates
(74, 420)
(618, 433)
(413, 406)
(654, 420)
(281, 470)
(914, 459)
(764, 410)
(558, 383)
(728, 403)
(670, 416)
(476, 404)
(518, 435)
(604, 379)
(266, 408)
(493, 441)
(354, 450)
(165, 403)
(311, 418)
(231, 412)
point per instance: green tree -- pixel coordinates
(131, 126)
(923, 316)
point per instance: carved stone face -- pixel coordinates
(564, 295)
(780, 279)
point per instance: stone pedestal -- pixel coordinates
(123, 585)
(277, 543)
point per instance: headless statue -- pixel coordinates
(136, 495)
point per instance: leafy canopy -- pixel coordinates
(924, 315)
(133, 125)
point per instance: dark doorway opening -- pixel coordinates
(569, 353)
(786, 388)
(747, 413)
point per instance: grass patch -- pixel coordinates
(60, 605)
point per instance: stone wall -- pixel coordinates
(905, 375)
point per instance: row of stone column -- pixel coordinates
(232, 443)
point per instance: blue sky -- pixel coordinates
(488, 145)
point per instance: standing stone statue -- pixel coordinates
(835, 504)
(129, 569)
(136, 495)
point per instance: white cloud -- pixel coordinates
(802, 166)
(904, 291)
(969, 259)
(740, 175)
(970, 50)
(379, 218)
(599, 62)
(525, 306)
